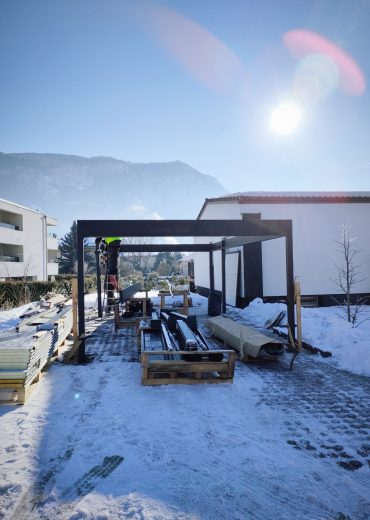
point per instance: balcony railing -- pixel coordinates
(9, 226)
(5, 258)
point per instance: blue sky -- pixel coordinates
(130, 79)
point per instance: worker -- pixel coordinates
(109, 246)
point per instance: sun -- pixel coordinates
(286, 118)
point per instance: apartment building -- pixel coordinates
(28, 246)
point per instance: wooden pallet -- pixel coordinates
(185, 303)
(173, 369)
(124, 323)
(21, 390)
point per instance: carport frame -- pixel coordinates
(236, 233)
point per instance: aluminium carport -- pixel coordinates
(236, 233)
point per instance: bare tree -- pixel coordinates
(138, 261)
(349, 275)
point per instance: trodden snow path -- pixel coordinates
(92, 443)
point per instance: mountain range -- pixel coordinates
(70, 187)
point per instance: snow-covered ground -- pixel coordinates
(92, 443)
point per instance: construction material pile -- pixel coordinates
(25, 350)
(173, 350)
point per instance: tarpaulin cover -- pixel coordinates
(246, 340)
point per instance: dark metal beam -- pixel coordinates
(163, 248)
(238, 241)
(211, 273)
(182, 228)
(81, 296)
(98, 280)
(290, 279)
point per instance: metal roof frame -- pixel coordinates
(235, 232)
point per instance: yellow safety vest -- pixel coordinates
(108, 240)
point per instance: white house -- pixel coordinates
(27, 248)
(259, 269)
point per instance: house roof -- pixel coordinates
(290, 197)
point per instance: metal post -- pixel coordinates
(211, 273)
(98, 280)
(290, 279)
(223, 270)
(81, 296)
(297, 295)
(74, 309)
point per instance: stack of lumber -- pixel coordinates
(25, 353)
(249, 342)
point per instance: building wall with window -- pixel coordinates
(317, 220)
(28, 246)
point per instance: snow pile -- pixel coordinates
(258, 312)
(325, 328)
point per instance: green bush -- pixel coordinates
(16, 293)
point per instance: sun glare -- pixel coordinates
(286, 118)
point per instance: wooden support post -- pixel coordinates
(144, 307)
(74, 308)
(297, 296)
(186, 310)
(116, 317)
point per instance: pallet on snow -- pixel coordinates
(163, 367)
(124, 323)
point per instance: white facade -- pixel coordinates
(317, 221)
(27, 247)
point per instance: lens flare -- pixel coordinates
(302, 43)
(316, 77)
(201, 53)
(286, 118)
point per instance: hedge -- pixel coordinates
(16, 293)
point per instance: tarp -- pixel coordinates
(246, 340)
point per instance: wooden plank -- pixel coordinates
(188, 366)
(180, 371)
(183, 381)
(297, 295)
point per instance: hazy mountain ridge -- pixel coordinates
(70, 187)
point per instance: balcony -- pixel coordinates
(53, 268)
(7, 258)
(9, 226)
(11, 220)
(52, 243)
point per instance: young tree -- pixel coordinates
(166, 262)
(349, 274)
(68, 253)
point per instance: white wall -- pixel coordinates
(316, 227)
